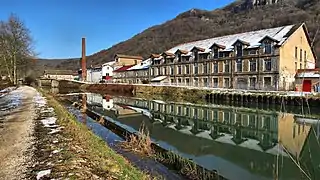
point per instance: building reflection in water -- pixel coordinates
(54, 90)
(273, 133)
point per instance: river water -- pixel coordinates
(241, 143)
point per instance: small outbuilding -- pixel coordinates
(308, 80)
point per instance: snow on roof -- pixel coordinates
(252, 37)
(159, 78)
(308, 75)
(109, 63)
(143, 65)
(158, 58)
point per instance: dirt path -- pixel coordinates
(16, 135)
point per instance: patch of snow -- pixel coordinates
(48, 122)
(54, 131)
(56, 151)
(55, 141)
(6, 90)
(43, 173)
(143, 65)
(48, 110)
(252, 37)
(39, 100)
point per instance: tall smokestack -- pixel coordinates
(83, 60)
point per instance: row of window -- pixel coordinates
(262, 121)
(253, 66)
(241, 83)
(302, 55)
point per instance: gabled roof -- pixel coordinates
(143, 65)
(252, 37)
(198, 48)
(242, 42)
(128, 56)
(181, 51)
(303, 25)
(154, 56)
(123, 68)
(217, 45)
(268, 37)
(168, 53)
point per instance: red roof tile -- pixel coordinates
(123, 68)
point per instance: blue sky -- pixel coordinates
(58, 25)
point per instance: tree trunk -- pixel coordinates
(9, 72)
(14, 70)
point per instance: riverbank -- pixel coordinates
(41, 140)
(195, 94)
(87, 155)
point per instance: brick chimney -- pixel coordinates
(83, 60)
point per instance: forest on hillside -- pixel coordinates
(199, 24)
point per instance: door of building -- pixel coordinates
(306, 86)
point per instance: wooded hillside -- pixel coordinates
(199, 24)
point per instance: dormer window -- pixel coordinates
(179, 57)
(196, 55)
(195, 52)
(179, 53)
(216, 49)
(215, 52)
(267, 43)
(239, 45)
(239, 50)
(267, 47)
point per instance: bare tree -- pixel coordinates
(16, 50)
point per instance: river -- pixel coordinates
(239, 142)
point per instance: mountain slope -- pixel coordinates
(240, 16)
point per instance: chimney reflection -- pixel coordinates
(84, 108)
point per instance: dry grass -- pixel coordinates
(101, 120)
(139, 143)
(89, 156)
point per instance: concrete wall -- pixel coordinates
(59, 76)
(94, 75)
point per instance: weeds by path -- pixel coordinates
(140, 143)
(86, 155)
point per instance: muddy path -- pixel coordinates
(17, 124)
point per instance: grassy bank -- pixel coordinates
(172, 93)
(90, 151)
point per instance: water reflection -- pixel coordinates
(54, 90)
(241, 143)
(84, 108)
